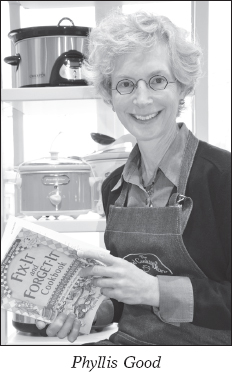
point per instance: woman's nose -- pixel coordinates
(143, 94)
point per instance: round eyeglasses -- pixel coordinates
(156, 82)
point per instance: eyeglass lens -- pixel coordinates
(156, 83)
(125, 86)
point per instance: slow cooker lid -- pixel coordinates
(31, 32)
(60, 163)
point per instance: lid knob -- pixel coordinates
(54, 155)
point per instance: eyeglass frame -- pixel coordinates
(136, 84)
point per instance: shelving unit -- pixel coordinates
(47, 100)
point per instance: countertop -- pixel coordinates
(21, 338)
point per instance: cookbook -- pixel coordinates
(40, 274)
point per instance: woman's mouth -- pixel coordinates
(145, 117)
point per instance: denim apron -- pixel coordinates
(152, 239)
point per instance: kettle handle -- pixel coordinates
(13, 60)
(67, 19)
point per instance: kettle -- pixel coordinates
(67, 69)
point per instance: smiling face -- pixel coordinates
(145, 113)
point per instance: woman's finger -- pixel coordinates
(56, 325)
(40, 324)
(109, 292)
(101, 256)
(75, 330)
(97, 271)
(104, 282)
(67, 326)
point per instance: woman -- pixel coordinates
(168, 221)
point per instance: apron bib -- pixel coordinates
(152, 239)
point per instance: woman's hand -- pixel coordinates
(122, 280)
(63, 326)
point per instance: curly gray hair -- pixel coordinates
(120, 34)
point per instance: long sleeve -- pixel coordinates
(176, 299)
(208, 238)
(212, 308)
(204, 302)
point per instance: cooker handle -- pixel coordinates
(67, 19)
(13, 60)
(13, 176)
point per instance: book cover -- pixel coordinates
(40, 274)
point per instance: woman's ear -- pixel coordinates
(181, 102)
(112, 106)
(109, 102)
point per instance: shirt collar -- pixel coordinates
(170, 164)
(131, 167)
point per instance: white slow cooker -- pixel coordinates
(55, 186)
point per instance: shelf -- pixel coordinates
(21, 338)
(90, 222)
(47, 101)
(66, 4)
(48, 94)
(53, 4)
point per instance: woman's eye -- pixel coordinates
(125, 84)
(158, 80)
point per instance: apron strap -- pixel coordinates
(187, 161)
(186, 205)
(179, 198)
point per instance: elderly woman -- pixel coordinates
(167, 278)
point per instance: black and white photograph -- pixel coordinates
(116, 185)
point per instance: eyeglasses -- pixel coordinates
(156, 82)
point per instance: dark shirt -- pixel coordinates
(207, 234)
